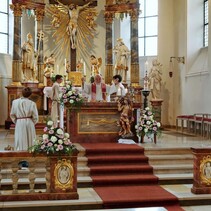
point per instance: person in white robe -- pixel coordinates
(117, 87)
(55, 99)
(96, 91)
(24, 115)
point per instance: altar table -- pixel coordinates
(97, 122)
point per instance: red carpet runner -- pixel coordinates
(123, 178)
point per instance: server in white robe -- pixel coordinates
(117, 87)
(55, 100)
(24, 115)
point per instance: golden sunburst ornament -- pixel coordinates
(73, 25)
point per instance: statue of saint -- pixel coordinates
(29, 59)
(121, 53)
(49, 63)
(73, 12)
(95, 65)
(79, 66)
(155, 79)
(49, 69)
(126, 118)
(56, 19)
(68, 67)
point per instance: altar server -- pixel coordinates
(55, 99)
(117, 86)
(25, 115)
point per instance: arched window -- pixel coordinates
(148, 27)
(4, 26)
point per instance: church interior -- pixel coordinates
(160, 50)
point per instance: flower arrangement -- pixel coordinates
(147, 125)
(53, 141)
(70, 95)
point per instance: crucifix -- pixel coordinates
(76, 21)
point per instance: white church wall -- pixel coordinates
(166, 46)
(5, 80)
(99, 41)
(196, 84)
(180, 34)
(180, 46)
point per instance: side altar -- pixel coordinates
(15, 92)
(97, 122)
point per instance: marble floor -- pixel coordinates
(168, 139)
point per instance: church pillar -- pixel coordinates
(109, 47)
(40, 13)
(134, 47)
(16, 60)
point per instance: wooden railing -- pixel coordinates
(60, 176)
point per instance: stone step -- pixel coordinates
(167, 159)
(175, 178)
(167, 151)
(173, 169)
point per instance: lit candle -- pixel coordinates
(65, 66)
(146, 65)
(57, 69)
(84, 68)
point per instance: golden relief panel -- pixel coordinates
(98, 122)
(205, 170)
(64, 174)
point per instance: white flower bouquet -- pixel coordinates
(53, 141)
(71, 96)
(147, 125)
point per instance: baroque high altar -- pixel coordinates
(72, 40)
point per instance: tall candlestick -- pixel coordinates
(84, 68)
(57, 69)
(65, 66)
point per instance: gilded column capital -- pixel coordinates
(17, 9)
(134, 14)
(40, 13)
(109, 16)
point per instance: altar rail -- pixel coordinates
(57, 187)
